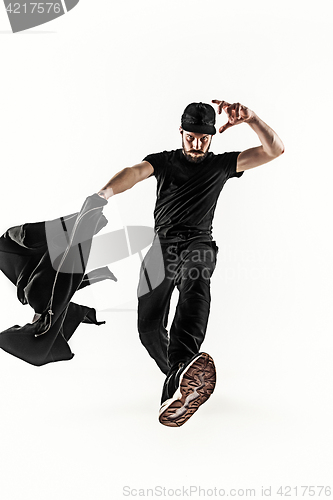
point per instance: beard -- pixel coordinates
(197, 157)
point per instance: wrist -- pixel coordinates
(106, 193)
(102, 194)
(253, 118)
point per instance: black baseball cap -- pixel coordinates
(200, 118)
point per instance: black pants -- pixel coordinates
(188, 266)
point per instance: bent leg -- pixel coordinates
(153, 306)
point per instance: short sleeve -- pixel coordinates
(157, 160)
(230, 164)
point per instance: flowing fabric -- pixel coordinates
(46, 262)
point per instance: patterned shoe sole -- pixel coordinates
(197, 383)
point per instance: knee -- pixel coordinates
(151, 332)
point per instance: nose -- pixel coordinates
(196, 144)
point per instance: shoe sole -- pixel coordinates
(196, 384)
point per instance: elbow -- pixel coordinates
(281, 148)
(278, 149)
(281, 151)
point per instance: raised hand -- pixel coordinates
(236, 112)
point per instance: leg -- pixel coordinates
(154, 294)
(190, 375)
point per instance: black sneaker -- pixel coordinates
(196, 383)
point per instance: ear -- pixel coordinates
(181, 130)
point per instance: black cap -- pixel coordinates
(200, 118)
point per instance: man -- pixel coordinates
(189, 181)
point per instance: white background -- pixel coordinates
(95, 91)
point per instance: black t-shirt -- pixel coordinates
(187, 192)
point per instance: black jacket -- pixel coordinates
(46, 261)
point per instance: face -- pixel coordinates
(195, 146)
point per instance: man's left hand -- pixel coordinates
(236, 112)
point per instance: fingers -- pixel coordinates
(225, 127)
(236, 112)
(220, 105)
(237, 108)
(232, 111)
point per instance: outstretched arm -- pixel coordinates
(271, 144)
(126, 179)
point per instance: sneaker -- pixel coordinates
(196, 383)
